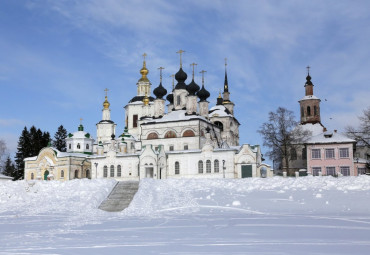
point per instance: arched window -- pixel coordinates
(216, 166)
(177, 167)
(105, 171)
(293, 154)
(87, 146)
(308, 111)
(188, 133)
(170, 134)
(32, 176)
(69, 146)
(112, 171)
(62, 174)
(208, 166)
(315, 110)
(304, 153)
(132, 146)
(119, 173)
(76, 174)
(78, 146)
(152, 136)
(219, 125)
(88, 173)
(302, 112)
(46, 173)
(178, 100)
(200, 166)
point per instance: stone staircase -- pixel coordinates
(120, 197)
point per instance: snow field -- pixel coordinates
(306, 215)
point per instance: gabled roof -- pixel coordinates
(329, 137)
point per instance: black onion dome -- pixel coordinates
(170, 98)
(180, 77)
(203, 94)
(160, 91)
(192, 88)
(308, 80)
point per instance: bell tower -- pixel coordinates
(309, 104)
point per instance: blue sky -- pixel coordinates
(57, 57)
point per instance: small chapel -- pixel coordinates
(166, 135)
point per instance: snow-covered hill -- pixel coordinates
(323, 215)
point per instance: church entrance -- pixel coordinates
(246, 171)
(46, 173)
(149, 172)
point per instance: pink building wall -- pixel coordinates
(336, 162)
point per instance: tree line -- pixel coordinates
(30, 142)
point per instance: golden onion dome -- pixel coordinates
(144, 72)
(146, 100)
(106, 104)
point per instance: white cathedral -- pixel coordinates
(190, 140)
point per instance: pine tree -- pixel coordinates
(60, 136)
(24, 151)
(9, 167)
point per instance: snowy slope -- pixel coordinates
(308, 215)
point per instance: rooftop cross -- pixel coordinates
(225, 62)
(202, 72)
(193, 64)
(81, 121)
(106, 92)
(180, 52)
(308, 69)
(144, 55)
(173, 81)
(160, 73)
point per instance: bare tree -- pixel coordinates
(283, 135)
(362, 133)
(2, 153)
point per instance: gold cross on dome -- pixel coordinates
(160, 73)
(308, 69)
(180, 52)
(193, 64)
(144, 55)
(106, 92)
(81, 121)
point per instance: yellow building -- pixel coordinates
(51, 164)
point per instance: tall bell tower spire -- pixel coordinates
(143, 84)
(309, 104)
(226, 94)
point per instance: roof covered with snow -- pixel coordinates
(329, 137)
(219, 111)
(178, 115)
(80, 134)
(315, 129)
(309, 97)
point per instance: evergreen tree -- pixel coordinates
(9, 167)
(60, 136)
(24, 150)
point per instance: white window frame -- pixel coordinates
(330, 153)
(316, 170)
(330, 169)
(313, 155)
(208, 166)
(177, 167)
(216, 166)
(345, 170)
(344, 151)
(200, 167)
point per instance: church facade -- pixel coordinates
(189, 140)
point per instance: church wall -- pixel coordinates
(189, 164)
(129, 167)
